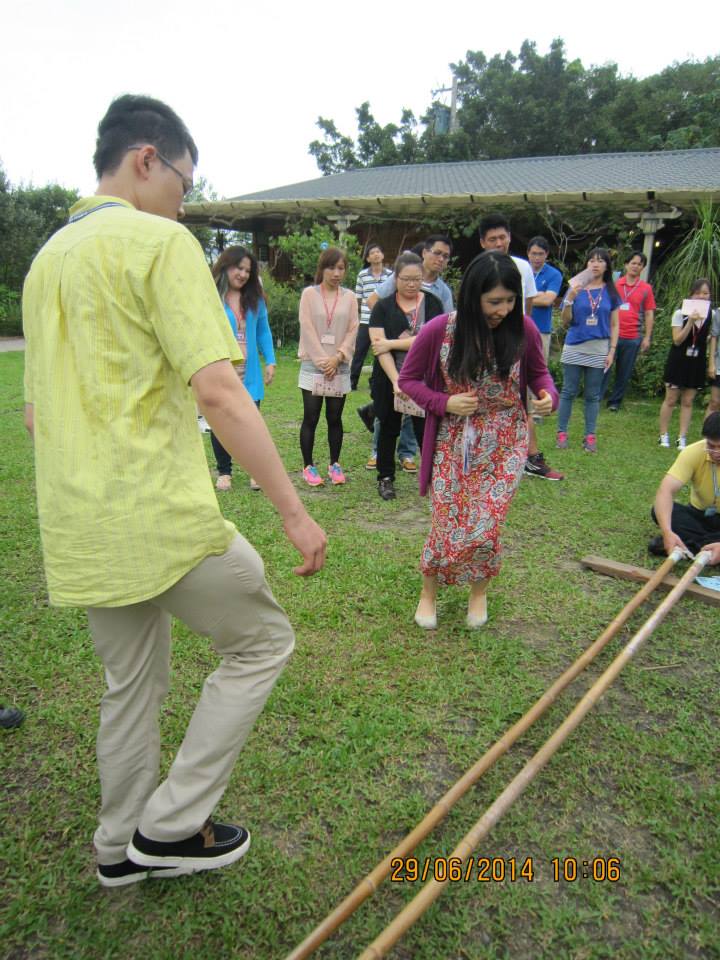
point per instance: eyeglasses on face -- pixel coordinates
(187, 182)
(440, 254)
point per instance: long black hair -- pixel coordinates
(602, 253)
(252, 292)
(476, 347)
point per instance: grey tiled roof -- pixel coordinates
(623, 173)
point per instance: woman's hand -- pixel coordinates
(398, 392)
(269, 374)
(609, 359)
(463, 404)
(329, 367)
(542, 406)
(381, 346)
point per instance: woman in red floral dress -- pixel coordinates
(470, 371)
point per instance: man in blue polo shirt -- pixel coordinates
(548, 281)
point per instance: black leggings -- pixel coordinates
(223, 460)
(311, 414)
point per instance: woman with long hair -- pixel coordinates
(590, 316)
(470, 372)
(237, 279)
(328, 327)
(685, 365)
(394, 322)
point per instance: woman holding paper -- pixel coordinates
(394, 323)
(328, 327)
(685, 365)
(470, 371)
(590, 316)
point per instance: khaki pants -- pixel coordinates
(227, 599)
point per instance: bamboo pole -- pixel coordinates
(433, 888)
(369, 884)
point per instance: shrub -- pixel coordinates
(10, 313)
(282, 304)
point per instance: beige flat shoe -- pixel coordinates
(254, 485)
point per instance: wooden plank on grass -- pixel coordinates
(627, 571)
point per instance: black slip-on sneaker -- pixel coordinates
(216, 845)
(120, 874)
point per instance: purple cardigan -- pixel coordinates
(422, 379)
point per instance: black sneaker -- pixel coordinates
(657, 547)
(386, 488)
(10, 717)
(535, 466)
(367, 415)
(216, 845)
(120, 874)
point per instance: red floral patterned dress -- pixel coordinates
(477, 465)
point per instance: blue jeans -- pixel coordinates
(625, 357)
(407, 445)
(570, 387)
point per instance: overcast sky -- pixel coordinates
(250, 80)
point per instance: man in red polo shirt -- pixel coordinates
(637, 300)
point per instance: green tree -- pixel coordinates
(303, 248)
(533, 104)
(28, 216)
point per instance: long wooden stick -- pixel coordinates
(627, 571)
(433, 888)
(372, 881)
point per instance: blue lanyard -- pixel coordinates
(100, 206)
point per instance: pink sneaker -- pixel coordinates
(562, 441)
(590, 444)
(312, 477)
(335, 473)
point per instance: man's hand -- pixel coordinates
(269, 374)
(714, 550)
(645, 345)
(542, 406)
(463, 404)
(672, 540)
(310, 540)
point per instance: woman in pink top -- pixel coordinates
(328, 327)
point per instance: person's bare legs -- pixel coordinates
(477, 604)
(686, 407)
(666, 410)
(426, 615)
(714, 402)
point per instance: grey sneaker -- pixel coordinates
(386, 488)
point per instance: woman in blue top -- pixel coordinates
(590, 311)
(236, 276)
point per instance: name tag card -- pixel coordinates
(328, 338)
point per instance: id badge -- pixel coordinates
(624, 306)
(710, 511)
(692, 352)
(591, 321)
(328, 338)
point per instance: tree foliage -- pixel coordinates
(303, 249)
(28, 216)
(532, 104)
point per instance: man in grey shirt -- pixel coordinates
(436, 252)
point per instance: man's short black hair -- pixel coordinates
(493, 221)
(134, 120)
(429, 242)
(711, 427)
(539, 242)
(636, 253)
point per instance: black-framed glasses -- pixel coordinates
(187, 182)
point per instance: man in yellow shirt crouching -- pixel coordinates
(121, 319)
(696, 525)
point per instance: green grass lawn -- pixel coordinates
(374, 719)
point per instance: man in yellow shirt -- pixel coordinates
(696, 525)
(125, 335)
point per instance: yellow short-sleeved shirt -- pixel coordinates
(119, 312)
(695, 467)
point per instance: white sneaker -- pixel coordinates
(664, 440)
(203, 425)
(681, 443)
